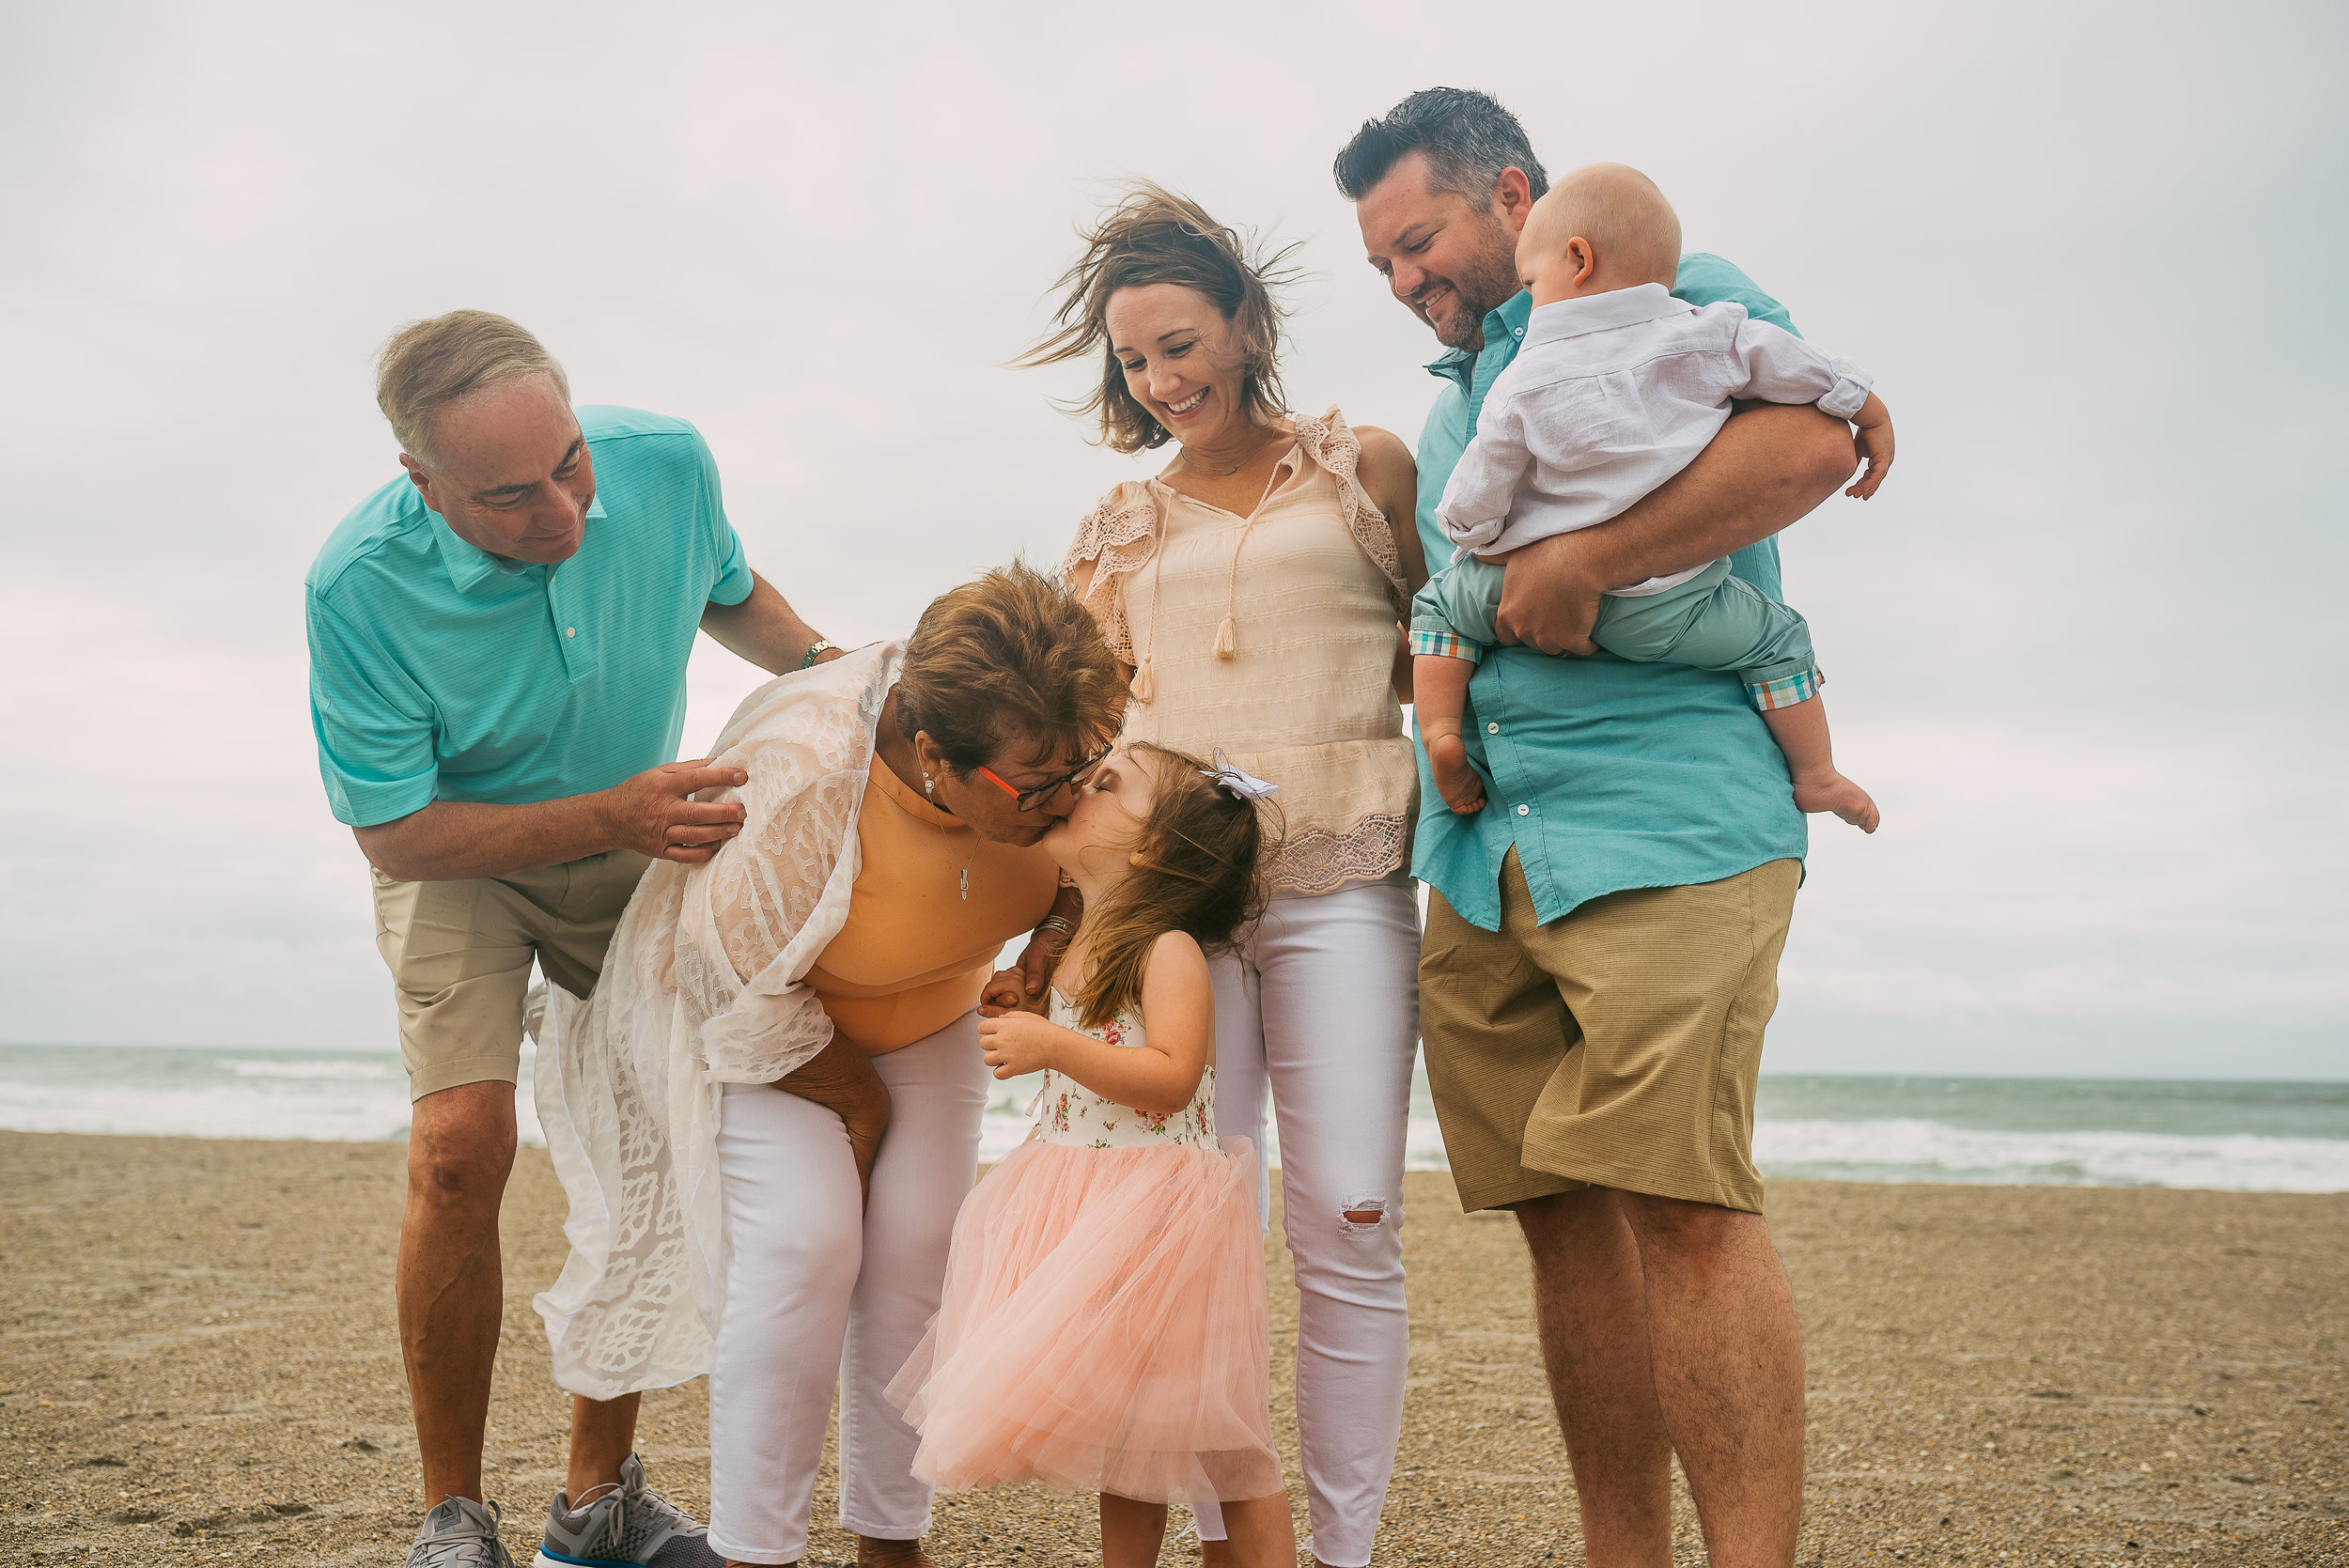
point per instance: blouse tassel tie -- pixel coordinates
(1227, 629)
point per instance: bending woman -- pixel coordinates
(1252, 592)
(834, 952)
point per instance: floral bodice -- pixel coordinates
(1068, 1112)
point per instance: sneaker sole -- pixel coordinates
(549, 1557)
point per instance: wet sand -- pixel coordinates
(197, 1365)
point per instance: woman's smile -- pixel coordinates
(1178, 410)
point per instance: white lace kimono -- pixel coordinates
(702, 987)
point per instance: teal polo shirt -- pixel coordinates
(1603, 774)
(440, 673)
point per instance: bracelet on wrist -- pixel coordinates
(821, 644)
(1056, 923)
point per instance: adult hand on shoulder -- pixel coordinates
(655, 812)
(1549, 597)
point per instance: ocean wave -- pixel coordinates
(365, 1071)
(330, 1109)
(1913, 1148)
(1874, 1130)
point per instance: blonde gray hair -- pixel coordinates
(426, 366)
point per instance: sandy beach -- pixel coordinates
(197, 1365)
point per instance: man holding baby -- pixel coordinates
(1603, 933)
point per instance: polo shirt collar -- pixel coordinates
(1595, 313)
(1506, 324)
(470, 566)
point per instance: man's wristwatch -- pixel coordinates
(808, 659)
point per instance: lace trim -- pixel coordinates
(1318, 861)
(1330, 442)
(1119, 536)
(1121, 532)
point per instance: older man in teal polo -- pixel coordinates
(498, 641)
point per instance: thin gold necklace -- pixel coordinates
(1269, 434)
(962, 871)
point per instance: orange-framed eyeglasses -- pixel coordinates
(1028, 800)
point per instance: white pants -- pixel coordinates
(1321, 1004)
(818, 1291)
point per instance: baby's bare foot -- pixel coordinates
(1456, 780)
(1833, 792)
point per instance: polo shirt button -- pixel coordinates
(1525, 811)
(570, 632)
(1492, 729)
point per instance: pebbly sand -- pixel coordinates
(197, 1365)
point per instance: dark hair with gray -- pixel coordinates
(1155, 236)
(1468, 138)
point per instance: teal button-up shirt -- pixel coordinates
(1603, 774)
(440, 672)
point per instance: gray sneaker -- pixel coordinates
(634, 1526)
(460, 1533)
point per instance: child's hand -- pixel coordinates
(1018, 1043)
(1875, 438)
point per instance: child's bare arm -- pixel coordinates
(1160, 1075)
(1873, 429)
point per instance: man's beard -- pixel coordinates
(1487, 283)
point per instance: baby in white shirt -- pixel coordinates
(1617, 387)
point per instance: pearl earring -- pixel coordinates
(929, 786)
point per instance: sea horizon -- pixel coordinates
(2245, 1134)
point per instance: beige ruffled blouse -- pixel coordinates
(1273, 637)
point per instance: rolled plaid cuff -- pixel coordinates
(1786, 691)
(1445, 644)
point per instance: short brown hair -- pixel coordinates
(427, 365)
(1012, 658)
(1155, 236)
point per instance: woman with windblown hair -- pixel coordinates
(1254, 593)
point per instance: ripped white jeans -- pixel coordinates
(1320, 1004)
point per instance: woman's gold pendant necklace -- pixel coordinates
(929, 793)
(963, 871)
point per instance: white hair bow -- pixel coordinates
(1246, 785)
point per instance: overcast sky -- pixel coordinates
(2084, 648)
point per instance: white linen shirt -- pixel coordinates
(1610, 396)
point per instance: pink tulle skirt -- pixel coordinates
(1102, 1329)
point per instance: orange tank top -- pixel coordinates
(915, 953)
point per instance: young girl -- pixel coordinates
(1103, 1323)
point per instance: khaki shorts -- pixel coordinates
(1615, 1047)
(460, 954)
